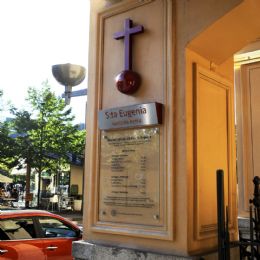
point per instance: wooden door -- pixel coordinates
(248, 131)
(214, 148)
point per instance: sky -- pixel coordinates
(36, 34)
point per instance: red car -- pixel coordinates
(36, 235)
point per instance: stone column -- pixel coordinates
(144, 191)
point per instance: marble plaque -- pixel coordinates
(129, 190)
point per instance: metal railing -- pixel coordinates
(249, 247)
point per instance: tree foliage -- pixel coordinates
(8, 152)
(21, 125)
(8, 155)
(46, 134)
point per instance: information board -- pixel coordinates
(130, 176)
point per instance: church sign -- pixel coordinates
(147, 114)
(130, 176)
(129, 170)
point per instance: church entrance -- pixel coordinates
(230, 48)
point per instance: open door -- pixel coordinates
(248, 131)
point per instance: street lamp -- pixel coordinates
(68, 75)
(41, 152)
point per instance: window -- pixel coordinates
(53, 227)
(16, 229)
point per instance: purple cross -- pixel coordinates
(127, 33)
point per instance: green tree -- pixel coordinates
(21, 125)
(8, 152)
(55, 133)
(50, 135)
(9, 149)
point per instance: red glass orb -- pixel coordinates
(128, 81)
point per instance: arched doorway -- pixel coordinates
(220, 48)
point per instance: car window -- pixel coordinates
(53, 227)
(16, 229)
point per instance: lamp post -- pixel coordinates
(41, 153)
(69, 75)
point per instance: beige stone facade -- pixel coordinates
(185, 59)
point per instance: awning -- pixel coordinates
(5, 179)
(21, 170)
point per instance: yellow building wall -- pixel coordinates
(76, 177)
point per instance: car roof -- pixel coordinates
(32, 213)
(24, 212)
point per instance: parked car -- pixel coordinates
(37, 235)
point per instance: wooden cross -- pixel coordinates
(128, 81)
(127, 34)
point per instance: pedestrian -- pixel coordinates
(15, 194)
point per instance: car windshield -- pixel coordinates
(55, 228)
